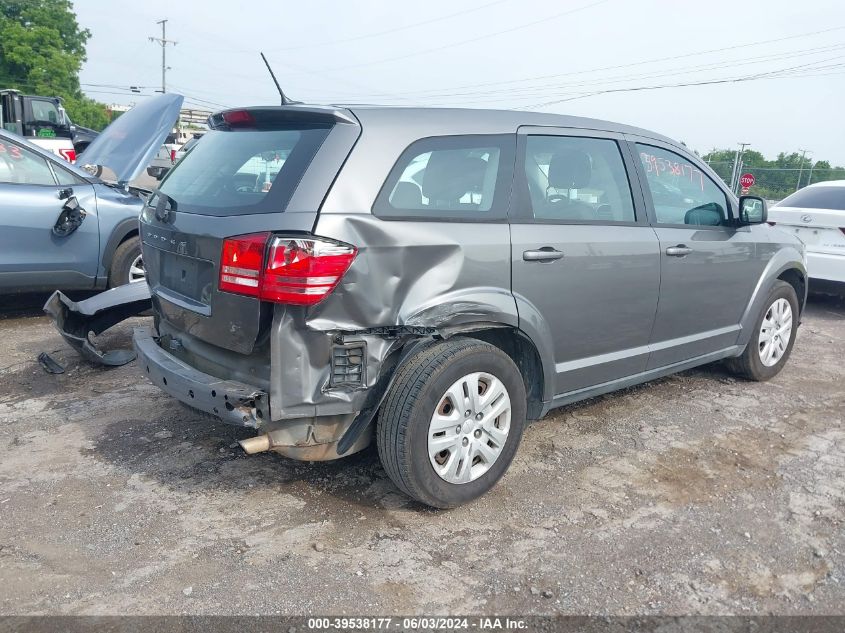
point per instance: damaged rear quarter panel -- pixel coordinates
(413, 278)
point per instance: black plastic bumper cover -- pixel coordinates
(75, 320)
(233, 402)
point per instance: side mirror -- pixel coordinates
(752, 210)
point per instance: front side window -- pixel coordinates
(575, 179)
(19, 165)
(450, 177)
(681, 192)
(45, 112)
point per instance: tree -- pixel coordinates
(776, 178)
(42, 49)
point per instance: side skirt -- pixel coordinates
(636, 379)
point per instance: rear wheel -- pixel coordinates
(452, 421)
(774, 336)
(127, 264)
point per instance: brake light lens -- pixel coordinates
(241, 263)
(297, 271)
(239, 118)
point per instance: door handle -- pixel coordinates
(681, 250)
(545, 254)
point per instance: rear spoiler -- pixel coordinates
(272, 117)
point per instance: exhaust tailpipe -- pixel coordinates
(257, 444)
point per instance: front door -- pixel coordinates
(709, 265)
(31, 201)
(585, 263)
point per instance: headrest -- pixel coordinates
(406, 195)
(570, 169)
(451, 173)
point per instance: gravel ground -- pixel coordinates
(692, 494)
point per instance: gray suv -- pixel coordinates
(431, 279)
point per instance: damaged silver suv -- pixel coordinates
(431, 279)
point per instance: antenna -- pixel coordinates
(285, 100)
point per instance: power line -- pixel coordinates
(471, 40)
(405, 27)
(540, 90)
(639, 63)
(772, 74)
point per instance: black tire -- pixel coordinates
(404, 418)
(749, 365)
(121, 261)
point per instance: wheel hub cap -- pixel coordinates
(463, 448)
(775, 332)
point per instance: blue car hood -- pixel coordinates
(128, 145)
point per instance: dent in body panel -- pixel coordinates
(410, 280)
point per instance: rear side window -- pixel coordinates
(832, 198)
(450, 177)
(242, 171)
(575, 179)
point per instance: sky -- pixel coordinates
(579, 57)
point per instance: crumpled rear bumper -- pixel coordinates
(75, 320)
(232, 401)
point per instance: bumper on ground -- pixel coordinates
(231, 401)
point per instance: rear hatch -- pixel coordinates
(257, 170)
(816, 215)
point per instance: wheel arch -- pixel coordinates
(124, 230)
(522, 351)
(786, 265)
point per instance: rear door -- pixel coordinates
(586, 265)
(709, 266)
(31, 255)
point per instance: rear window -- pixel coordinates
(450, 177)
(816, 198)
(243, 171)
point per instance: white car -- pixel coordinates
(816, 214)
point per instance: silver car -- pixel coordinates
(432, 279)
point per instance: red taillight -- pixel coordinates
(173, 156)
(304, 271)
(239, 118)
(241, 263)
(299, 271)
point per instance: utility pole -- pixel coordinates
(810, 178)
(737, 167)
(163, 41)
(800, 168)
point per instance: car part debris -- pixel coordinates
(76, 320)
(49, 364)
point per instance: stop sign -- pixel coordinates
(747, 180)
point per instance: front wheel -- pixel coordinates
(127, 264)
(451, 422)
(774, 336)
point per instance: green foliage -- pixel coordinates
(775, 179)
(42, 49)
